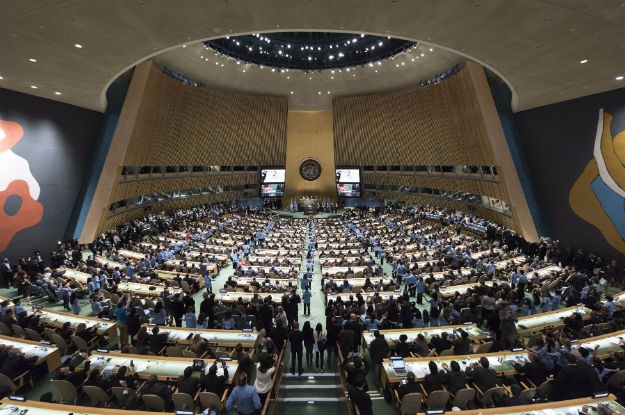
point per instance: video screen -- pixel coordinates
(272, 175)
(272, 190)
(348, 189)
(348, 175)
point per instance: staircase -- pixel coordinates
(311, 394)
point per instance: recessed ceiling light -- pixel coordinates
(331, 77)
(1, 77)
(33, 86)
(619, 78)
(291, 92)
(57, 93)
(319, 92)
(32, 60)
(328, 92)
(184, 46)
(583, 61)
(78, 45)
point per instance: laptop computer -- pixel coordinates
(399, 367)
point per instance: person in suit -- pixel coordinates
(360, 398)
(578, 379)
(411, 386)
(483, 376)
(533, 369)
(212, 382)
(186, 383)
(296, 338)
(157, 340)
(455, 378)
(433, 381)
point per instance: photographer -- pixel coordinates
(357, 369)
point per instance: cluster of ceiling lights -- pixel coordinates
(34, 60)
(308, 51)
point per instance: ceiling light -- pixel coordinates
(328, 92)
(583, 61)
(32, 60)
(1, 77)
(291, 92)
(57, 93)
(79, 46)
(33, 86)
(319, 92)
(431, 50)
(184, 46)
(331, 77)
(619, 78)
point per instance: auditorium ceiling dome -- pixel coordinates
(546, 51)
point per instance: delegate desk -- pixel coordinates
(451, 290)
(233, 296)
(606, 342)
(269, 260)
(477, 255)
(144, 290)
(440, 275)
(47, 353)
(215, 337)
(132, 254)
(570, 407)
(550, 320)
(501, 362)
(517, 260)
(385, 295)
(55, 319)
(277, 252)
(360, 282)
(333, 271)
(392, 336)
(171, 275)
(165, 368)
(79, 276)
(109, 262)
(9, 407)
(270, 268)
(337, 245)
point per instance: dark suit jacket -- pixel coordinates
(408, 388)
(455, 381)
(187, 385)
(296, 338)
(361, 399)
(483, 378)
(575, 381)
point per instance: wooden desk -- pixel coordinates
(110, 263)
(451, 290)
(550, 408)
(552, 319)
(332, 271)
(43, 408)
(131, 254)
(501, 362)
(606, 342)
(366, 295)
(47, 353)
(55, 319)
(392, 336)
(165, 368)
(480, 254)
(79, 276)
(215, 337)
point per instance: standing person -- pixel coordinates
(189, 317)
(244, 397)
(178, 309)
(75, 304)
(332, 334)
(134, 324)
(208, 282)
(507, 327)
(121, 313)
(378, 350)
(264, 372)
(292, 307)
(309, 341)
(7, 273)
(319, 346)
(420, 289)
(296, 338)
(306, 294)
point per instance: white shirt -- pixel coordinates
(263, 382)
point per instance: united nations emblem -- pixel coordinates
(310, 169)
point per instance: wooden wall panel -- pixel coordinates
(175, 124)
(429, 125)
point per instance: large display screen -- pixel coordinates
(348, 189)
(347, 175)
(272, 189)
(272, 175)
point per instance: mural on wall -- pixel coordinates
(19, 191)
(598, 195)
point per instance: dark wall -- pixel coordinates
(558, 141)
(59, 142)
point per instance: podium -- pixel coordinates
(309, 206)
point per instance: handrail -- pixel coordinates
(277, 377)
(343, 377)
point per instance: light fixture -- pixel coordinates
(79, 46)
(291, 92)
(32, 60)
(619, 78)
(33, 86)
(583, 61)
(57, 93)
(1, 77)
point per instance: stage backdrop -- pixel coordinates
(576, 155)
(46, 152)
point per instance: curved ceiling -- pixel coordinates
(536, 46)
